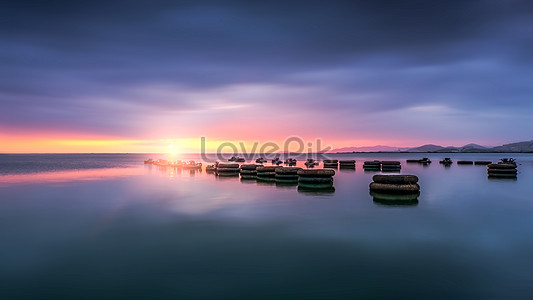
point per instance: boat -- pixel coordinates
(260, 160)
(424, 160)
(311, 162)
(446, 161)
(161, 163)
(149, 161)
(276, 161)
(192, 165)
(176, 164)
(507, 161)
(290, 162)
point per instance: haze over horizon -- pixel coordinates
(122, 76)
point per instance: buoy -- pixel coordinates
(250, 167)
(347, 164)
(267, 173)
(225, 169)
(226, 165)
(395, 184)
(395, 179)
(287, 174)
(372, 165)
(331, 163)
(316, 172)
(503, 170)
(501, 166)
(391, 166)
(315, 178)
(394, 188)
(390, 163)
(248, 171)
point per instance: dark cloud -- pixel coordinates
(361, 56)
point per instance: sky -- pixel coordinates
(155, 76)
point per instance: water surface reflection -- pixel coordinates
(117, 233)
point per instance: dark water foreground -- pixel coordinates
(108, 227)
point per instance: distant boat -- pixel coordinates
(446, 161)
(192, 165)
(236, 159)
(161, 163)
(149, 161)
(311, 162)
(260, 160)
(290, 162)
(424, 160)
(176, 164)
(507, 161)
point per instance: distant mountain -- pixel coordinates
(378, 148)
(474, 146)
(426, 148)
(448, 149)
(469, 148)
(515, 147)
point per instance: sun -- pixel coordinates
(172, 149)
(173, 152)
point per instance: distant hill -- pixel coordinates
(469, 148)
(426, 148)
(378, 148)
(515, 147)
(474, 146)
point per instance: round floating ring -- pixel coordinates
(395, 179)
(394, 188)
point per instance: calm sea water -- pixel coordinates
(109, 227)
